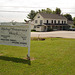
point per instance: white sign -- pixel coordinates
(15, 35)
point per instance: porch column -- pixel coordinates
(62, 27)
(46, 28)
(51, 27)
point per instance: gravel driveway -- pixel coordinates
(62, 34)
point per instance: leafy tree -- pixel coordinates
(53, 12)
(31, 15)
(68, 16)
(74, 21)
(43, 10)
(48, 10)
(58, 11)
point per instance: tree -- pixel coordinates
(25, 20)
(74, 21)
(31, 15)
(42, 10)
(58, 11)
(48, 10)
(53, 12)
(68, 16)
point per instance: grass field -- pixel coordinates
(53, 56)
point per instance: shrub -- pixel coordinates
(33, 30)
(73, 26)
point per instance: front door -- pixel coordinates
(40, 22)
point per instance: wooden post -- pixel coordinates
(28, 55)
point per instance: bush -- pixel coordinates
(33, 30)
(38, 38)
(49, 29)
(73, 26)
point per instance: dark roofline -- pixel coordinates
(52, 16)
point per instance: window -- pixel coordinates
(38, 16)
(34, 26)
(52, 21)
(64, 22)
(47, 21)
(58, 21)
(40, 22)
(38, 27)
(35, 21)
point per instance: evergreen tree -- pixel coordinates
(31, 15)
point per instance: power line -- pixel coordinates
(34, 7)
(14, 11)
(70, 12)
(29, 11)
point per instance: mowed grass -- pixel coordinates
(53, 56)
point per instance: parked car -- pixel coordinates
(72, 29)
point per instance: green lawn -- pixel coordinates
(53, 56)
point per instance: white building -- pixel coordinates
(46, 22)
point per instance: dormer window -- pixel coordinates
(38, 16)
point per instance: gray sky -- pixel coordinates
(67, 6)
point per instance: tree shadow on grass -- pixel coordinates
(14, 59)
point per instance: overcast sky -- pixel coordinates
(67, 6)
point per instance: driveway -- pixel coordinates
(61, 34)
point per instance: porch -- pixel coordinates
(55, 27)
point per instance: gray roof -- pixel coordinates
(52, 16)
(70, 22)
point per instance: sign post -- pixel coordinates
(28, 56)
(16, 35)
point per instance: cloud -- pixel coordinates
(25, 5)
